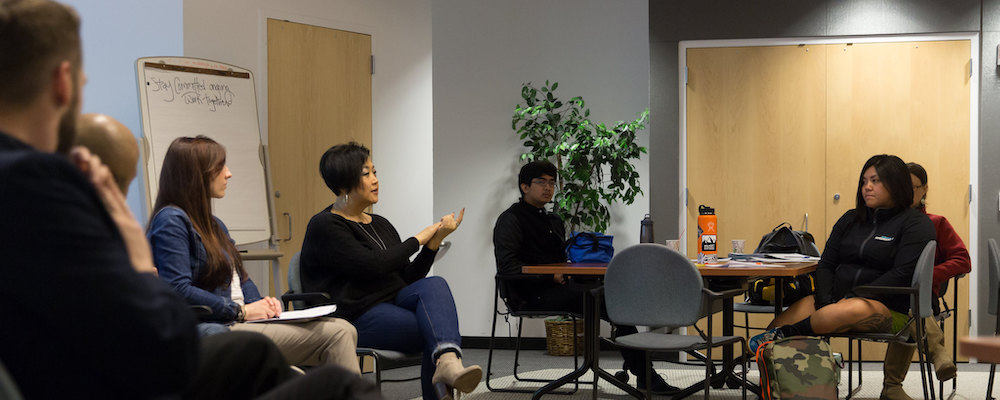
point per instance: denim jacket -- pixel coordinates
(180, 258)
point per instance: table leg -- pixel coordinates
(591, 355)
(728, 376)
(590, 329)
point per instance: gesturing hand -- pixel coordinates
(449, 223)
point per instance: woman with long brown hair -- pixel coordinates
(193, 252)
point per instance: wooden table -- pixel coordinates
(983, 348)
(591, 324)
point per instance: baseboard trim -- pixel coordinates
(505, 343)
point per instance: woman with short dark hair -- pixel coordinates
(876, 243)
(359, 259)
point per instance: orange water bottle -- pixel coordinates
(707, 235)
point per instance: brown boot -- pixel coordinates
(944, 366)
(450, 371)
(897, 364)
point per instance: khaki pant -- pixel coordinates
(315, 342)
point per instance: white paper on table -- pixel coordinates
(752, 264)
(796, 257)
(309, 313)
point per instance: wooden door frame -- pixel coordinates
(974, 39)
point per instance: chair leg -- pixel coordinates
(926, 380)
(746, 366)
(517, 350)
(649, 375)
(493, 334)
(989, 387)
(378, 372)
(709, 364)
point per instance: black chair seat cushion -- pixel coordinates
(653, 341)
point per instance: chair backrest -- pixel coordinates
(994, 275)
(295, 279)
(648, 284)
(923, 276)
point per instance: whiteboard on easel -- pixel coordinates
(181, 96)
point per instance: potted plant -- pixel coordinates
(595, 162)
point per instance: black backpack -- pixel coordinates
(782, 239)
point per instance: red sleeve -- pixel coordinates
(951, 258)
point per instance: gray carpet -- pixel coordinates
(972, 378)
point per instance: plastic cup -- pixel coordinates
(739, 245)
(674, 245)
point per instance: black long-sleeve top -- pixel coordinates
(882, 251)
(527, 235)
(347, 260)
(78, 320)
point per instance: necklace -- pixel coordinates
(377, 239)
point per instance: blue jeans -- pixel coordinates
(422, 317)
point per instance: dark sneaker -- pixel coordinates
(767, 336)
(660, 387)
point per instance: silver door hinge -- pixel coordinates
(373, 64)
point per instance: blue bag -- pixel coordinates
(590, 247)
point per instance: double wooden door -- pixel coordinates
(775, 133)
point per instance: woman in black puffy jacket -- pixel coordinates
(876, 243)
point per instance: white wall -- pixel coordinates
(115, 33)
(483, 52)
(233, 31)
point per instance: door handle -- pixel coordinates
(289, 218)
(836, 196)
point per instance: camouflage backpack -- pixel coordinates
(797, 367)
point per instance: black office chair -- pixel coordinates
(920, 309)
(383, 360)
(501, 293)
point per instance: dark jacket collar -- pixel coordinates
(883, 214)
(8, 142)
(524, 206)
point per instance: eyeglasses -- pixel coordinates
(546, 182)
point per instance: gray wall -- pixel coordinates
(673, 21)
(483, 52)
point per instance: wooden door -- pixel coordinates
(910, 99)
(756, 121)
(319, 95)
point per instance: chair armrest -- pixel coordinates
(723, 294)
(312, 297)
(518, 277)
(868, 290)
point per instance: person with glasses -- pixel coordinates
(950, 259)
(527, 234)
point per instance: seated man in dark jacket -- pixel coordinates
(526, 234)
